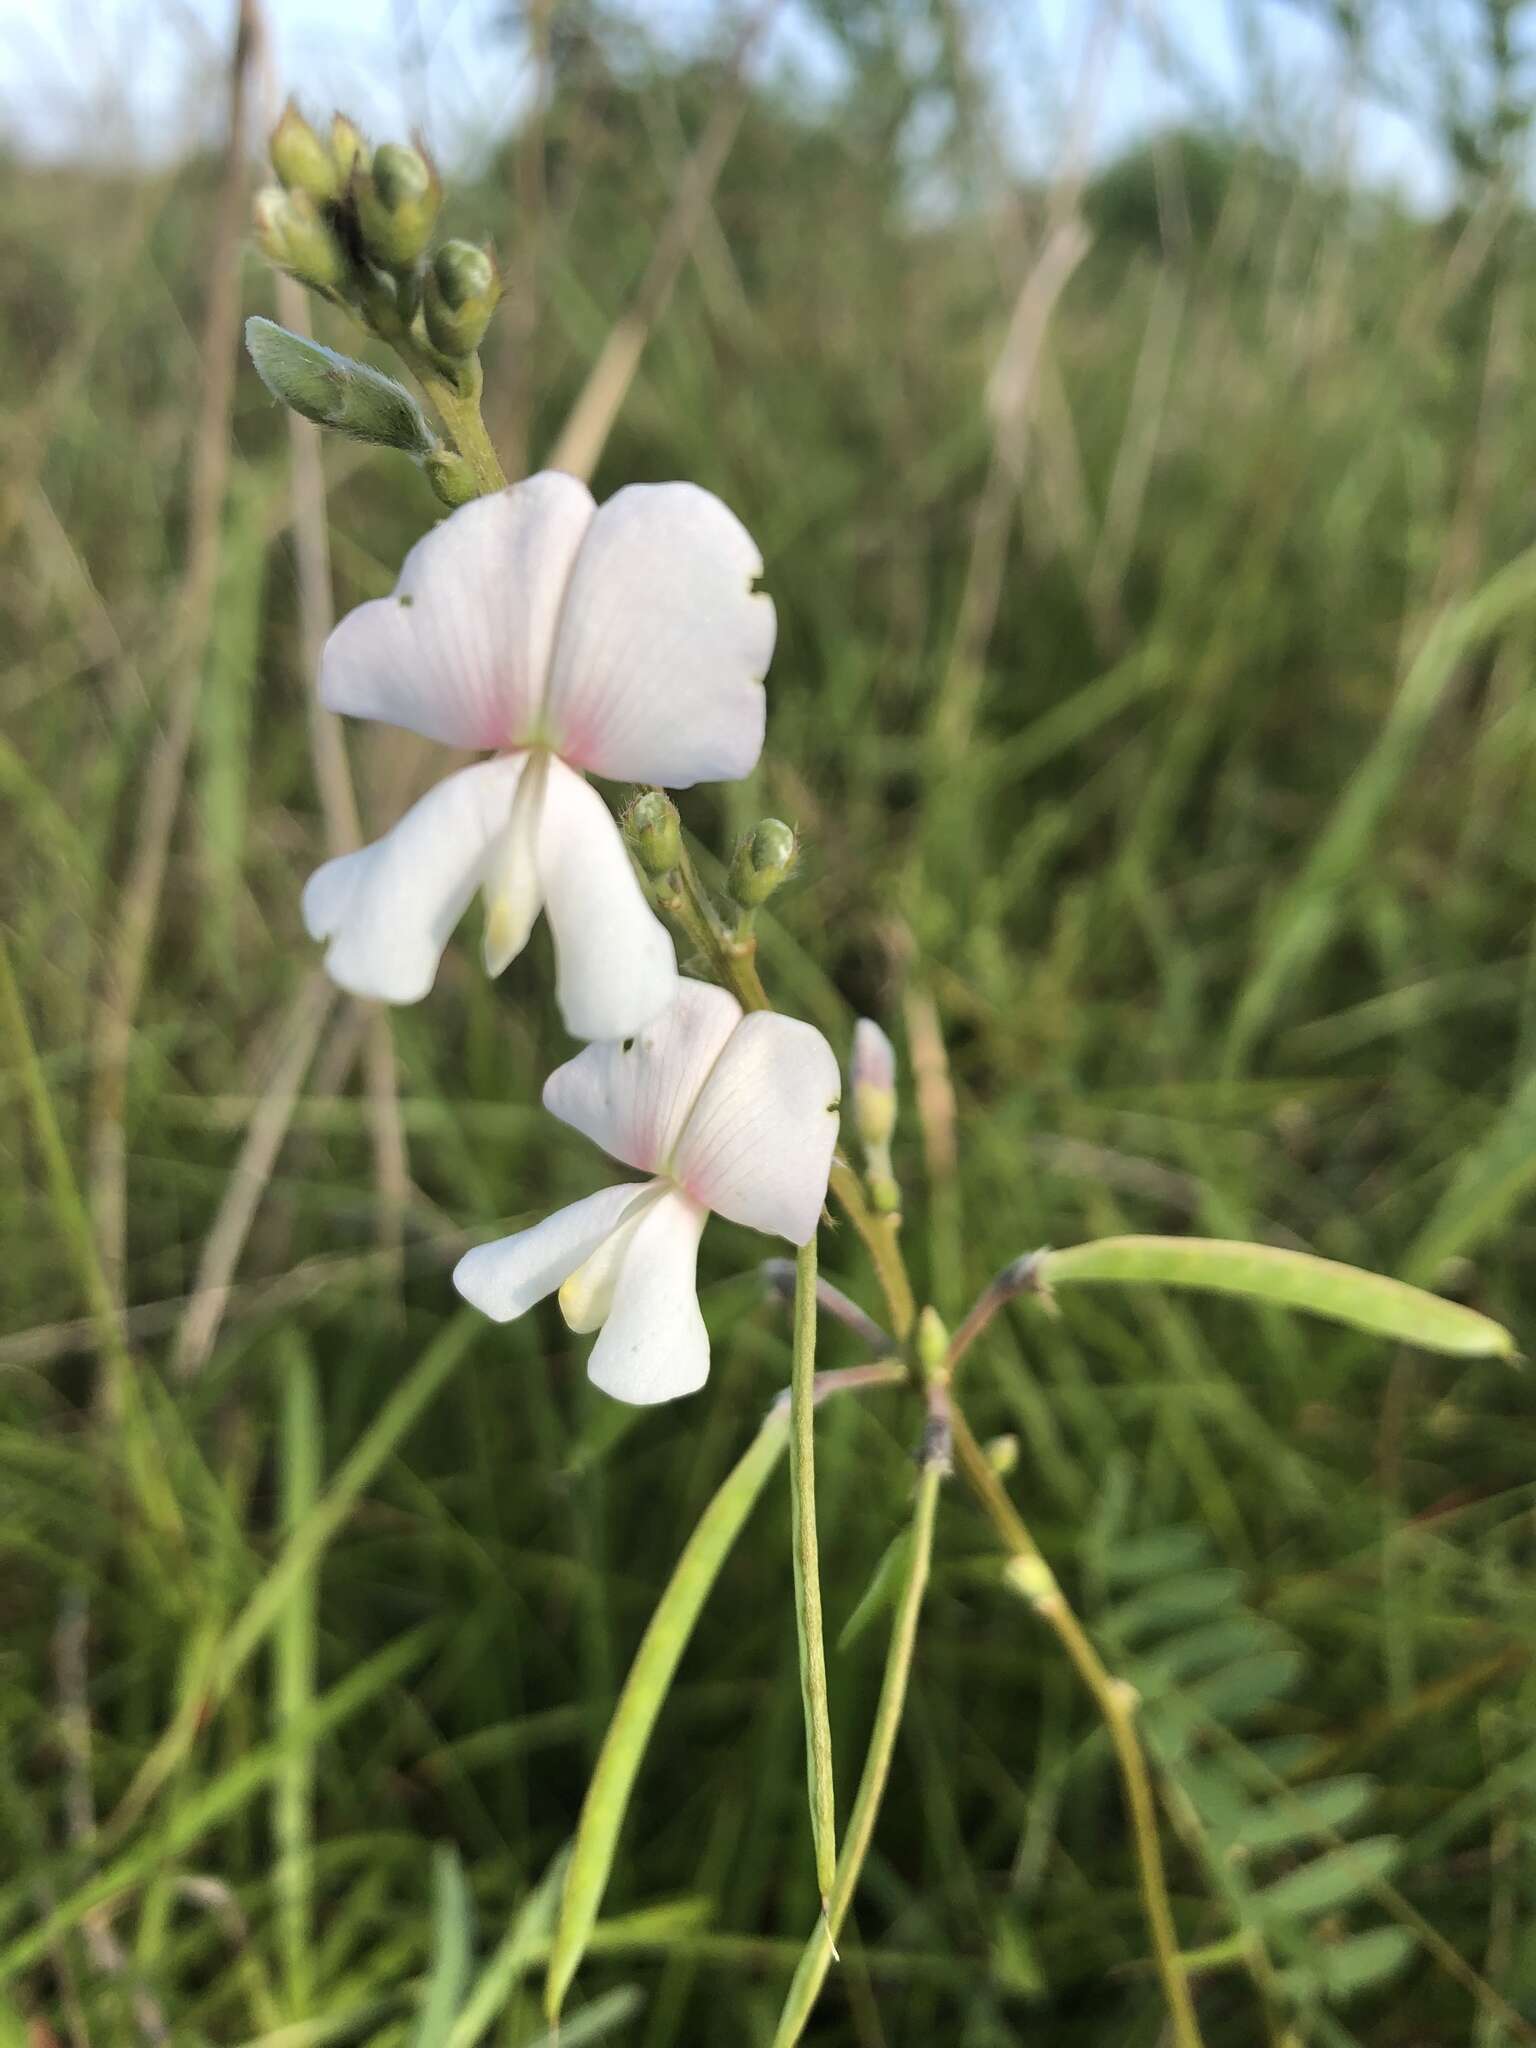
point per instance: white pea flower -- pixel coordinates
(625, 642)
(731, 1113)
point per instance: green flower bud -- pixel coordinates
(333, 391)
(764, 859)
(302, 161)
(652, 828)
(874, 1111)
(451, 477)
(874, 1084)
(349, 152)
(292, 234)
(932, 1343)
(459, 297)
(397, 202)
(1002, 1454)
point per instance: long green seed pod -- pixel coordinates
(1284, 1279)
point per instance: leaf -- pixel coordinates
(294, 1663)
(1206, 1648)
(1306, 916)
(13, 2028)
(1328, 1881)
(1337, 1970)
(513, 1955)
(452, 1914)
(1192, 1596)
(1310, 1813)
(1156, 1554)
(650, 1677)
(224, 709)
(595, 2021)
(1487, 1185)
(1284, 1279)
(1234, 1691)
(334, 391)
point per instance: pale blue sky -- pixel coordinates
(133, 75)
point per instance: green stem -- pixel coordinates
(1029, 1575)
(882, 1244)
(453, 389)
(816, 1958)
(734, 967)
(686, 899)
(813, 1656)
(460, 414)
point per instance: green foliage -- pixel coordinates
(336, 392)
(1276, 1844)
(1225, 916)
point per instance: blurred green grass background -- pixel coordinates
(1165, 757)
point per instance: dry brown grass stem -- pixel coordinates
(250, 1174)
(1010, 398)
(932, 1086)
(518, 320)
(30, 435)
(128, 946)
(1138, 442)
(59, 557)
(333, 775)
(312, 556)
(585, 433)
(1013, 392)
(391, 1160)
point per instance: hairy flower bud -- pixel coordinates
(292, 234)
(459, 297)
(334, 391)
(349, 152)
(652, 827)
(397, 202)
(764, 859)
(302, 161)
(451, 477)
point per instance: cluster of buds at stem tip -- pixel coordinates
(874, 1111)
(763, 862)
(355, 225)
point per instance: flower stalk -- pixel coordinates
(816, 1958)
(807, 1574)
(1029, 1576)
